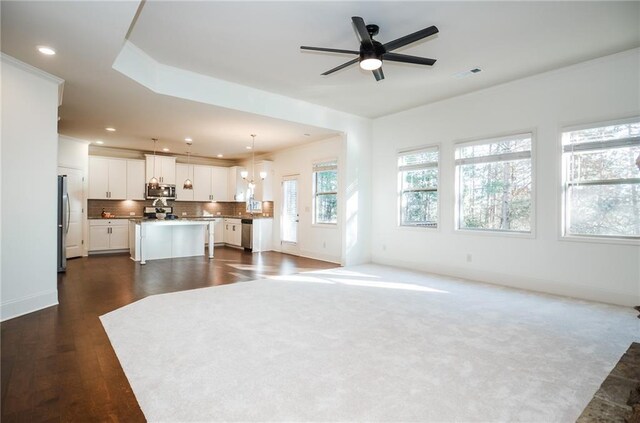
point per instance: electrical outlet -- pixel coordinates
(184, 213)
(218, 213)
(132, 213)
(469, 258)
(324, 244)
(384, 247)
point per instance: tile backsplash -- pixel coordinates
(192, 208)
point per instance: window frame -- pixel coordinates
(400, 191)
(563, 235)
(315, 193)
(532, 132)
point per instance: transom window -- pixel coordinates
(325, 190)
(601, 168)
(418, 186)
(494, 184)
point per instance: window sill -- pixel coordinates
(416, 228)
(601, 240)
(488, 232)
(325, 225)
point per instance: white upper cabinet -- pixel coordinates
(237, 186)
(107, 178)
(201, 183)
(183, 172)
(209, 183)
(136, 184)
(165, 169)
(219, 183)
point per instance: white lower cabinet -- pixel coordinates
(233, 232)
(105, 235)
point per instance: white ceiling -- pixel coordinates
(88, 36)
(257, 44)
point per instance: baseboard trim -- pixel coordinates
(519, 282)
(25, 305)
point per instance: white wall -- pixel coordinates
(322, 242)
(593, 91)
(73, 153)
(29, 188)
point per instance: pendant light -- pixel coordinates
(153, 182)
(245, 174)
(187, 182)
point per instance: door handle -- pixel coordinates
(68, 214)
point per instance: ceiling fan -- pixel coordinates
(372, 52)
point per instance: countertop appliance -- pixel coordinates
(161, 191)
(64, 215)
(247, 234)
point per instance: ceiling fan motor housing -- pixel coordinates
(372, 53)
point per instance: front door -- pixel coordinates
(76, 193)
(290, 216)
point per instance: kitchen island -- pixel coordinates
(161, 239)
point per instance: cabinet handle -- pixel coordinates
(234, 228)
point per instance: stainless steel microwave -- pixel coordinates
(161, 191)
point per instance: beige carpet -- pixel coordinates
(366, 343)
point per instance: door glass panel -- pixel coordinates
(290, 211)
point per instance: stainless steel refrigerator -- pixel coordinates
(63, 222)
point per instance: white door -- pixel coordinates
(75, 191)
(290, 217)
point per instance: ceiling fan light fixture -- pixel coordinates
(370, 63)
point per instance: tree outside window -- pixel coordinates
(602, 181)
(325, 181)
(418, 186)
(494, 188)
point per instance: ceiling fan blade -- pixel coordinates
(378, 74)
(411, 38)
(405, 58)
(361, 31)
(329, 50)
(342, 66)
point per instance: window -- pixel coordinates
(418, 183)
(325, 192)
(494, 184)
(602, 181)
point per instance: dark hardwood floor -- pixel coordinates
(58, 364)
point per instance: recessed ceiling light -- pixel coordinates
(165, 149)
(110, 129)
(220, 156)
(188, 140)
(248, 147)
(46, 50)
(99, 142)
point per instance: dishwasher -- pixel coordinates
(247, 234)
